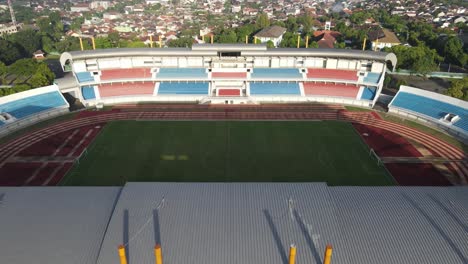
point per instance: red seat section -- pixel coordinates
(332, 74)
(123, 89)
(125, 73)
(228, 92)
(230, 75)
(330, 89)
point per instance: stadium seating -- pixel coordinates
(228, 92)
(332, 74)
(431, 107)
(372, 77)
(182, 73)
(34, 104)
(368, 93)
(281, 88)
(126, 89)
(88, 92)
(125, 74)
(229, 75)
(330, 89)
(183, 88)
(276, 73)
(84, 77)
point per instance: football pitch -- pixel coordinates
(227, 151)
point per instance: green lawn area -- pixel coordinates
(228, 151)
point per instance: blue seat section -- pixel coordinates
(368, 93)
(1, 123)
(275, 73)
(182, 73)
(84, 77)
(431, 107)
(34, 104)
(88, 92)
(372, 77)
(183, 88)
(274, 89)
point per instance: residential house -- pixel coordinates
(273, 33)
(382, 38)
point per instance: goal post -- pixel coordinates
(374, 155)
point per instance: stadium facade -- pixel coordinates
(228, 74)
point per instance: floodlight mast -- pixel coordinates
(12, 13)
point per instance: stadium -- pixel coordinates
(232, 153)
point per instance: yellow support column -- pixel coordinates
(94, 44)
(122, 255)
(298, 40)
(364, 44)
(328, 254)
(158, 254)
(292, 254)
(255, 40)
(212, 39)
(246, 39)
(160, 41)
(203, 38)
(81, 44)
(151, 41)
(307, 41)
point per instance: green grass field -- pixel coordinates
(228, 151)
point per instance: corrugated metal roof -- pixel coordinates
(403, 224)
(47, 225)
(222, 223)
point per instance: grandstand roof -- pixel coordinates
(53, 225)
(234, 223)
(213, 49)
(256, 223)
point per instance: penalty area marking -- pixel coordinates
(174, 157)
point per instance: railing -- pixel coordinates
(24, 122)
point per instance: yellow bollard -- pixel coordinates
(203, 38)
(212, 39)
(307, 41)
(151, 41)
(255, 40)
(298, 40)
(160, 42)
(81, 44)
(122, 255)
(364, 44)
(328, 254)
(246, 39)
(292, 254)
(94, 44)
(158, 254)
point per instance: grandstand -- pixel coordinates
(434, 109)
(243, 67)
(25, 108)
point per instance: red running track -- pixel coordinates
(386, 143)
(445, 150)
(417, 174)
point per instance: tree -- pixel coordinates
(452, 49)
(38, 80)
(45, 71)
(29, 41)
(102, 43)
(270, 44)
(458, 89)
(9, 53)
(114, 39)
(262, 21)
